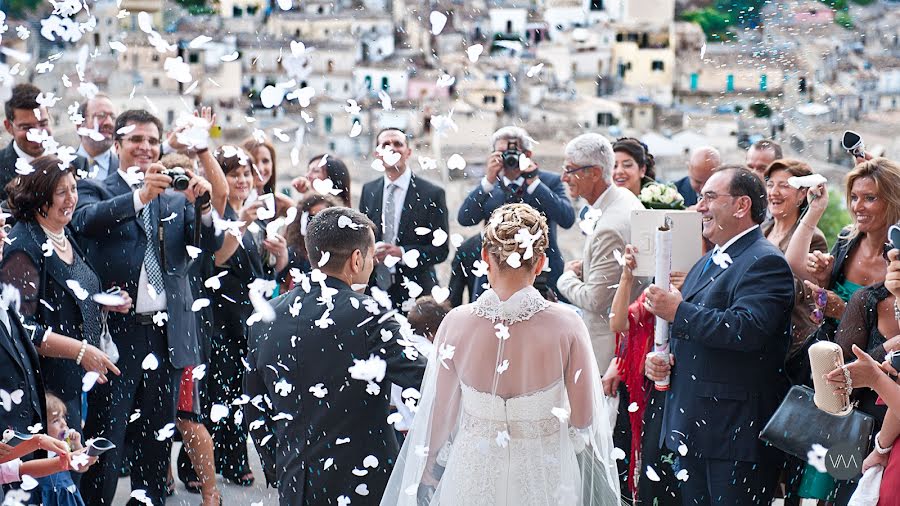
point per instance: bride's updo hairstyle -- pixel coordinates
(516, 235)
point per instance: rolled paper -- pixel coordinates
(810, 181)
(661, 279)
(98, 446)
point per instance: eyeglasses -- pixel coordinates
(139, 139)
(100, 116)
(710, 196)
(43, 124)
(573, 170)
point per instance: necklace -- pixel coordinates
(58, 239)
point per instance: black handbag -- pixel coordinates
(798, 424)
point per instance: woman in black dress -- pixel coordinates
(55, 281)
(247, 254)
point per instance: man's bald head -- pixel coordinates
(703, 162)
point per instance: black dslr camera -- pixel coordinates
(180, 179)
(510, 156)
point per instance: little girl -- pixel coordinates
(12, 469)
(58, 489)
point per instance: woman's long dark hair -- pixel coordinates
(337, 172)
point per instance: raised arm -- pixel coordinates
(799, 247)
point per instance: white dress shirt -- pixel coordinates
(102, 162)
(143, 302)
(735, 238)
(488, 186)
(23, 155)
(402, 183)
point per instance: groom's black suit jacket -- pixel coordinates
(318, 441)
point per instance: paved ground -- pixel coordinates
(233, 495)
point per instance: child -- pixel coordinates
(12, 469)
(58, 489)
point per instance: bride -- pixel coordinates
(511, 410)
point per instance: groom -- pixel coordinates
(729, 336)
(319, 375)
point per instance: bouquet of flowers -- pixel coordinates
(661, 196)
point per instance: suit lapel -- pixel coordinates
(734, 251)
(375, 208)
(53, 263)
(6, 341)
(412, 197)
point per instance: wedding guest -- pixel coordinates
(761, 154)
(265, 173)
(56, 289)
(729, 337)
(702, 163)
(857, 257)
(295, 233)
(243, 258)
(634, 165)
(322, 167)
(538, 187)
(634, 327)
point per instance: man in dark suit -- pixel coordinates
(21, 118)
(701, 165)
(398, 204)
(308, 378)
(97, 137)
(521, 182)
(136, 232)
(462, 277)
(729, 336)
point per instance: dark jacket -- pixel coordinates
(48, 300)
(8, 157)
(730, 337)
(112, 235)
(461, 277)
(549, 198)
(22, 375)
(294, 352)
(684, 187)
(425, 206)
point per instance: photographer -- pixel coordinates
(512, 176)
(136, 225)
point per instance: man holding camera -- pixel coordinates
(136, 226)
(512, 176)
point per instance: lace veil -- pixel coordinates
(511, 412)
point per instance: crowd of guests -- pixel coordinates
(138, 271)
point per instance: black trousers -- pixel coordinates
(225, 383)
(111, 405)
(728, 482)
(668, 489)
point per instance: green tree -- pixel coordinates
(835, 218)
(713, 22)
(17, 9)
(742, 12)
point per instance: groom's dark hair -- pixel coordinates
(339, 231)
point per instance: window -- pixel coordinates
(329, 66)
(156, 82)
(596, 5)
(509, 27)
(328, 124)
(694, 79)
(368, 81)
(763, 82)
(385, 85)
(251, 10)
(155, 57)
(490, 99)
(657, 66)
(604, 119)
(193, 58)
(237, 12)
(729, 82)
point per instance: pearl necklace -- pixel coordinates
(58, 239)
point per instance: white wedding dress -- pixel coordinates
(511, 412)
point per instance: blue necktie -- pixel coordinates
(583, 212)
(709, 261)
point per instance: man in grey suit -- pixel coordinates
(607, 223)
(136, 230)
(319, 375)
(97, 137)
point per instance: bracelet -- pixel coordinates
(896, 311)
(81, 353)
(879, 449)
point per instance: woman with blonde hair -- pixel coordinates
(511, 411)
